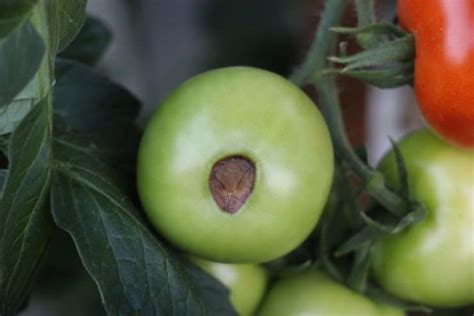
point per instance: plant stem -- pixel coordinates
(323, 42)
(373, 180)
(312, 69)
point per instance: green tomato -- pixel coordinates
(312, 293)
(432, 262)
(235, 166)
(246, 283)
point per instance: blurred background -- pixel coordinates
(157, 44)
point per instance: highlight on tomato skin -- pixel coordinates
(444, 64)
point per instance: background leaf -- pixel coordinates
(65, 20)
(21, 53)
(21, 57)
(13, 13)
(90, 43)
(134, 272)
(25, 223)
(12, 114)
(101, 111)
(80, 92)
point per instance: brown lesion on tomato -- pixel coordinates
(231, 182)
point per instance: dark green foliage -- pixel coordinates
(71, 151)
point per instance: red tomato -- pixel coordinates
(444, 64)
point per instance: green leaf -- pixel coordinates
(100, 110)
(402, 173)
(12, 114)
(393, 75)
(88, 102)
(134, 272)
(357, 241)
(382, 28)
(37, 69)
(25, 222)
(388, 60)
(397, 50)
(65, 20)
(21, 54)
(395, 227)
(90, 43)
(13, 13)
(360, 269)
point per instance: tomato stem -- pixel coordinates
(313, 70)
(323, 42)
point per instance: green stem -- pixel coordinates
(313, 69)
(373, 180)
(322, 44)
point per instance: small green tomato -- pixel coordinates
(432, 262)
(235, 166)
(312, 293)
(246, 283)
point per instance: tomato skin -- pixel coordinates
(444, 64)
(432, 262)
(246, 283)
(312, 293)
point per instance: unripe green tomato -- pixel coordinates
(235, 166)
(432, 262)
(246, 283)
(312, 293)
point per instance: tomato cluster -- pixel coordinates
(235, 167)
(237, 164)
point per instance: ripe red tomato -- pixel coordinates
(444, 64)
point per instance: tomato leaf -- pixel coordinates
(90, 43)
(386, 60)
(134, 272)
(21, 53)
(102, 112)
(79, 92)
(25, 223)
(382, 29)
(65, 20)
(359, 274)
(12, 114)
(402, 172)
(357, 241)
(24, 59)
(13, 13)
(399, 49)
